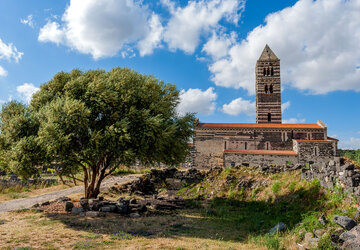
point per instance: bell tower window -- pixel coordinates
(271, 88)
(269, 117)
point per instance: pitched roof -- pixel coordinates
(261, 152)
(331, 138)
(268, 54)
(256, 125)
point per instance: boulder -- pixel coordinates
(77, 210)
(134, 215)
(63, 199)
(278, 228)
(105, 209)
(46, 203)
(84, 204)
(357, 215)
(345, 222)
(68, 206)
(92, 214)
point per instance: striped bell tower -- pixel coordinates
(268, 88)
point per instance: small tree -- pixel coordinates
(96, 120)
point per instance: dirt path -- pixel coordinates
(28, 202)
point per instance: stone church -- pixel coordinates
(268, 141)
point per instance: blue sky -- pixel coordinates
(207, 48)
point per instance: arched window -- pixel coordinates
(267, 145)
(271, 88)
(268, 71)
(266, 89)
(264, 71)
(245, 145)
(272, 71)
(269, 117)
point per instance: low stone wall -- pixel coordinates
(7, 183)
(334, 172)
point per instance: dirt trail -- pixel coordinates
(28, 202)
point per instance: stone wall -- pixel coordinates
(333, 172)
(209, 144)
(240, 159)
(321, 150)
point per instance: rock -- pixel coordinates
(113, 208)
(278, 228)
(92, 214)
(323, 220)
(46, 203)
(77, 210)
(62, 199)
(96, 206)
(105, 209)
(134, 215)
(133, 201)
(351, 245)
(101, 198)
(36, 205)
(346, 236)
(345, 222)
(82, 214)
(84, 204)
(357, 215)
(92, 201)
(68, 206)
(335, 236)
(319, 232)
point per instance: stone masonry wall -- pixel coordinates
(236, 159)
(334, 172)
(310, 150)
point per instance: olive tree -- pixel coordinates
(96, 121)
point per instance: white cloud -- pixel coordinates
(9, 52)
(51, 32)
(153, 38)
(3, 72)
(218, 46)
(352, 143)
(197, 101)
(285, 106)
(187, 24)
(102, 28)
(294, 120)
(26, 91)
(238, 106)
(317, 42)
(28, 21)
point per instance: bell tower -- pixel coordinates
(268, 88)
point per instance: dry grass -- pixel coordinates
(184, 230)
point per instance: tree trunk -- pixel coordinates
(73, 177)
(60, 176)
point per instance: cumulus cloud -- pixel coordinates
(51, 32)
(188, 23)
(285, 106)
(28, 21)
(197, 101)
(352, 143)
(317, 42)
(239, 106)
(294, 120)
(102, 28)
(153, 38)
(9, 52)
(26, 91)
(3, 72)
(218, 46)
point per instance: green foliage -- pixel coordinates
(95, 121)
(325, 243)
(277, 187)
(351, 154)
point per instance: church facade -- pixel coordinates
(268, 141)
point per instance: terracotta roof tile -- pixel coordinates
(313, 140)
(256, 125)
(261, 152)
(331, 138)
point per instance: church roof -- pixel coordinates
(257, 125)
(268, 54)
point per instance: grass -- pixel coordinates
(231, 218)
